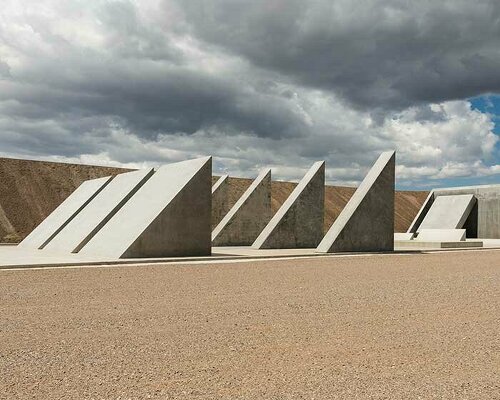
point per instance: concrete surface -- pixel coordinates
(248, 217)
(403, 236)
(99, 211)
(169, 216)
(361, 327)
(64, 213)
(484, 218)
(299, 221)
(435, 244)
(220, 200)
(448, 212)
(367, 221)
(441, 235)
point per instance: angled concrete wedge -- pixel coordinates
(367, 221)
(448, 212)
(63, 214)
(99, 211)
(220, 200)
(246, 219)
(299, 221)
(169, 216)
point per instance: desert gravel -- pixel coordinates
(372, 327)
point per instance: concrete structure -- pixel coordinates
(441, 235)
(448, 212)
(416, 245)
(299, 221)
(63, 214)
(367, 221)
(169, 216)
(99, 211)
(484, 218)
(403, 236)
(220, 199)
(248, 217)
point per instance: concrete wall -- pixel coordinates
(220, 200)
(484, 219)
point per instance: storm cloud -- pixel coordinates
(278, 83)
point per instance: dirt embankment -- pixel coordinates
(31, 190)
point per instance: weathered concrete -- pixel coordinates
(367, 221)
(169, 216)
(63, 214)
(248, 217)
(220, 200)
(99, 211)
(299, 221)
(421, 245)
(441, 235)
(448, 212)
(484, 218)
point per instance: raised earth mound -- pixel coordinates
(31, 190)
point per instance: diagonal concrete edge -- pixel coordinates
(246, 219)
(367, 221)
(168, 216)
(99, 211)
(64, 213)
(299, 221)
(220, 199)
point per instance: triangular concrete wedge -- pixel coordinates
(220, 200)
(169, 216)
(448, 212)
(246, 219)
(299, 221)
(99, 211)
(64, 213)
(367, 221)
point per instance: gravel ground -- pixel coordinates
(381, 327)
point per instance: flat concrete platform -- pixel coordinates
(12, 256)
(422, 244)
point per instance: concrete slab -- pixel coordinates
(63, 214)
(441, 235)
(220, 200)
(403, 236)
(299, 221)
(169, 216)
(248, 217)
(99, 211)
(425, 245)
(448, 212)
(367, 221)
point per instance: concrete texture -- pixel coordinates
(484, 218)
(448, 212)
(220, 200)
(403, 236)
(441, 235)
(357, 327)
(99, 211)
(436, 244)
(169, 216)
(299, 221)
(248, 217)
(63, 214)
(367, 221)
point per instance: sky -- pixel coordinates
(262, 83)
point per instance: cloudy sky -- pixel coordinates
(278, 83)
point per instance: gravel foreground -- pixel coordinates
(373, 327)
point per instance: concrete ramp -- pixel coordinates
(367, 221)
(248, 217)
(448, 212)
(99, 211)
(299, 221)
(169, 216)
(220, 200)
(441, 235)
(63, 214)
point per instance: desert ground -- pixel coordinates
(407, 326)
